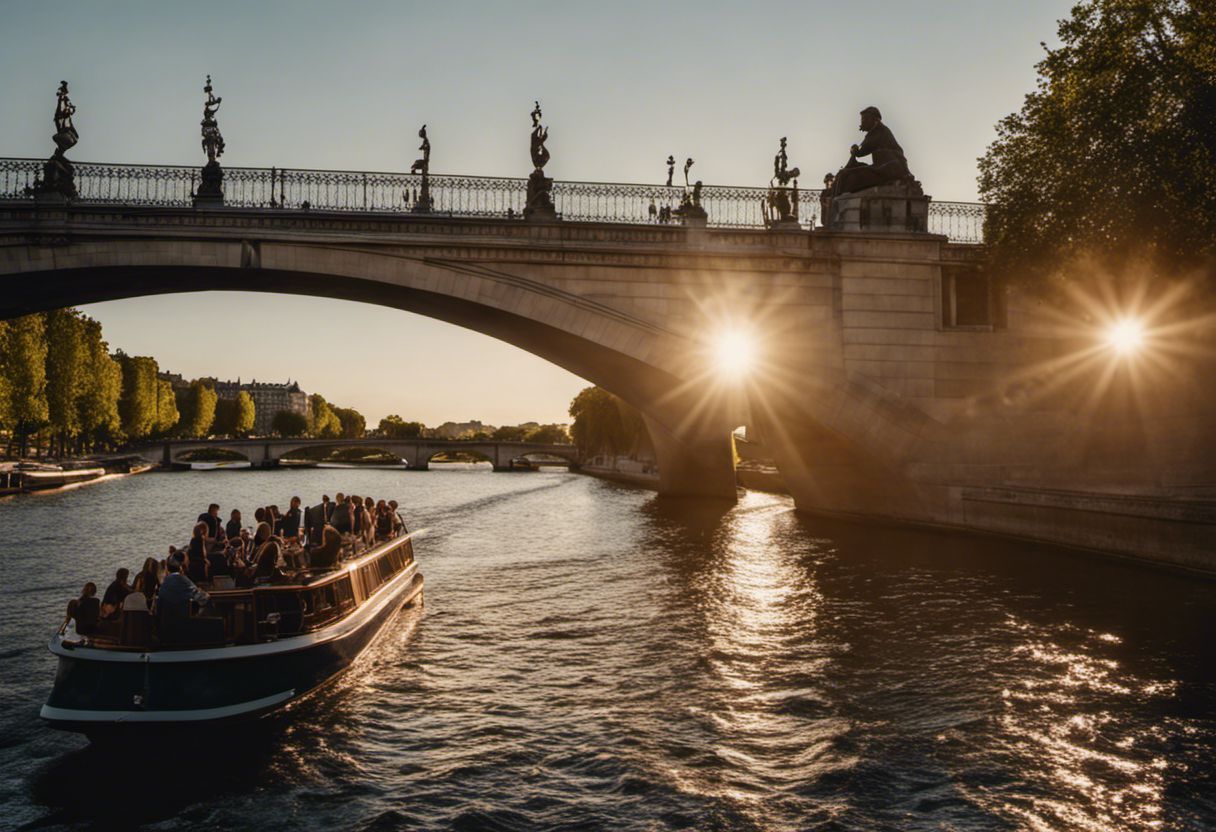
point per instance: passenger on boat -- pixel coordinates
(356, 515)
(148, 580)
(316, 518)
(342, 518)
(326, 555)
(233, 527)
(173, 607)
(291, 520)
(217, 563)
(85, 611)
(369, 516)
(259, 516)
(212, 518)
(274, 519)
(136, 600)
(398, 523)
(384, 521)
(118, 589)
(196, 554)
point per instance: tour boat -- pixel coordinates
(257, 649)
(37, 476)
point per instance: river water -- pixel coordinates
(592, 657)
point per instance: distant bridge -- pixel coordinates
(417, 452)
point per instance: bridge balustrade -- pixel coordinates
(455, 196)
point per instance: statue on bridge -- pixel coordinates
(889, 164)
(690, 211)
(881, 196)
(211, 185)
(422, 205)
(57, 174)
(782, 206)
(539, 203)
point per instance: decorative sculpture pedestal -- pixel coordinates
(539, 206)
(211, 187)
(895, 208)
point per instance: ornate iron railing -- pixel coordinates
(456, 196)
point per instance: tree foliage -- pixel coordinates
(605, 424)
(235, 416)
(1114, 154)
(65, 365)
(137, 404)
(197, 406)
(24, 369)
(166, 407)
(394, 427)
(288, 423)
(101, 387)
(324, 423)
(549, 434)
(354, 425)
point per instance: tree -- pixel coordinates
(394, 427)
(65, 364)
(101, 387)
(246, 414)
(509, 433)
(354, 426)
(198, 410)
(225, 418)
(1114, 153)
(24, 370)
(137, 404)
(549, 434)
(167, 415)
(324, 423)
(604, 424)
(288, 423)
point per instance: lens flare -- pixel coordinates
(1125, 336)
(735, 354)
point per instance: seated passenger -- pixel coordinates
(326, 555)
(85, 611)
(266, 563)
(217, 563)
(176, 593)
(233, 527)
(148, 580)
(136, 600)
(118, 590)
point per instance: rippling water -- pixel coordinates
(590, 657)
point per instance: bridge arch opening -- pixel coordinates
(210, 456)
(338, 454)
(460, 459)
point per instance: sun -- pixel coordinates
(1125, 336)
(735, 353)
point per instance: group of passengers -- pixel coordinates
(226, 555)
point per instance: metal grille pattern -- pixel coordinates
(456, 196)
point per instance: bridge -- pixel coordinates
(893, 380)
(268, 452)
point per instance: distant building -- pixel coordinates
(174, 379)
(268, 399)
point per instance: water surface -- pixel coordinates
(592, 657)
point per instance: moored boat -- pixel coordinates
(255, 650)
(37, 476)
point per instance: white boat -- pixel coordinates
(228, 464)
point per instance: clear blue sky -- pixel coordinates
(623, 84)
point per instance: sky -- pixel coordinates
(622, 84)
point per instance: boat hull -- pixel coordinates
(102, 692)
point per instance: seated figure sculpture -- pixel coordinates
(889, 164)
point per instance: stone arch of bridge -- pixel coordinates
(849, 428)
(202, 451)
